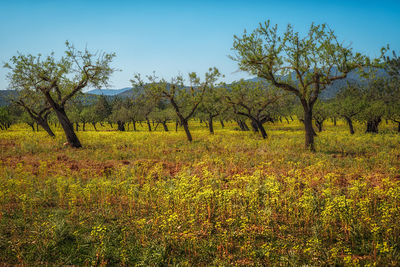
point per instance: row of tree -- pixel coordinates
(292, 71)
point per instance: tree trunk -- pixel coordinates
(334, 121)
(176, 126)
(372, 125)
(148, 124)
(164, 123)
(37, 127)
(68, 128)
(45, 125)
(121, 126)
(186, 127)
(77, 126)
(134, 125)
(245, 127)
(262, 130)
(83, 126)
(319, 125)
(222, 123)
(94, 126)
(239, 123)
(350, 123)
(287, 120)
(398, 127)
(210, 125)
(309, 130)
(254, 125)
(32, 126)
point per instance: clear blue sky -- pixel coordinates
(172, 37)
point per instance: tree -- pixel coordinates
(304, 66)
(34, 105)
(376, 95)
(392, 67)
(184, 100)
(254, 100)
(321, 113)
(59, 80)
(349, 103)
(5, 118)
(102, 109)
(120, 113)
(212, 105)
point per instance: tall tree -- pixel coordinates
(304, 66)
(58, 80)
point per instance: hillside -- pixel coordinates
(110, 92)
(5, 96)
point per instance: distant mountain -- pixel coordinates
(5, 96)
(126, 93)
(110, 92)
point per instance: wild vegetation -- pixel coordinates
(200, 172)
(150, 198)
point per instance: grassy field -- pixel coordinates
(151, 198)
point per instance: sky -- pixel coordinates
(178, 37)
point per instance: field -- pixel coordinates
(151, 198)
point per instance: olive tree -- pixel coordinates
(184, 100)
(392, 67)
(58, 80)
(304, 66)
(35, 106)
(255, 101)
(349, 103)
(212, 105)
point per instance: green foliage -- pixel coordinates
(5, 118)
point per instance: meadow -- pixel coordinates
(152, 198)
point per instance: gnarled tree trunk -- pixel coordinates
(186, 127)
(67, 127)
(261, 128)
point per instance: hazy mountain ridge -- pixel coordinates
(108, 91)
